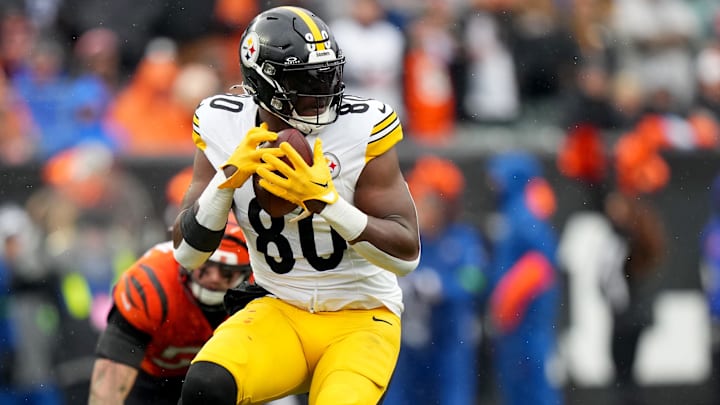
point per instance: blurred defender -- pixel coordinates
(161, 316)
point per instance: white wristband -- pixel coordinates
(345, 218)
(214, 204)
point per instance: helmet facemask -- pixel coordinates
(305, 95)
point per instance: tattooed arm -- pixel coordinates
(111, 382)
(120, 351)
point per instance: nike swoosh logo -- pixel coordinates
(320, 184)
(380, 320)
(382, 110)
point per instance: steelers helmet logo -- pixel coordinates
(333, 164)
(250, 49)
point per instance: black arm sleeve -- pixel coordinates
(121, 342)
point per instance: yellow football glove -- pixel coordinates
(301, 184)
(247, 157)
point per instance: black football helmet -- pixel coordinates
(293, 67)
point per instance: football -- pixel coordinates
(272, 204)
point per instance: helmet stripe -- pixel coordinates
(314, 29)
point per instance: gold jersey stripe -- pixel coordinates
(197, 138)
(314, 30)
(382, 145)
(386, 122)
(199, 142)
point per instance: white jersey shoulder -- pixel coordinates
(220, 122)
(307, 263)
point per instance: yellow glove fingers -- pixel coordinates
(255, 138)
(274, 163)
(277, 190)
(297, 181)
(318, 153)
(267, 173)
(297, 161)
(259, 154)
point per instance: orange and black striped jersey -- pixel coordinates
(153, 297)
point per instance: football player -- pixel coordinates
(330, 324)
(161, 315)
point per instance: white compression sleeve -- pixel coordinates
(381, 259)
(203, 230)
(214, 204)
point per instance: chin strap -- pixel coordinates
(304, 125)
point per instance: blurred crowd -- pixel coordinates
(129, 75)
(88, 84)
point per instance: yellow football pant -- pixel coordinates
(274, 349)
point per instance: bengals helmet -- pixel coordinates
(288, 55)
(231, 257)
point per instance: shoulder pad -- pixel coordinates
(141, 294)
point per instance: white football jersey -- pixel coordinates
(307, 263)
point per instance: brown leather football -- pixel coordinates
(272, 204)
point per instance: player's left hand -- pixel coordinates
(247, 155)
(301, 183)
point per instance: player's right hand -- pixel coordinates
(300, 182)
(246, 157)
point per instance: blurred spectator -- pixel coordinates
(523, 302)
(66, 112)
(95, 219)
(17, 36)
(589, 113)
(97, 55)
(44, 86)
(708, 78)
(18, 139)
(491, 93)
(32, 308)
(627, 282)
(628, 99)
(437, 363)
(43, 13)
(175, 191)
(194, 83)
(429, 94)
(8, 338)
(544, 51)
(655, 39)
(233, 17)
(151, 120)
(704, 116)
(710, 275)
(374, 51)
(583, 156)
(590, 102)
(590, 25)
(94, 84)
(137, 23)
(639, 164)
